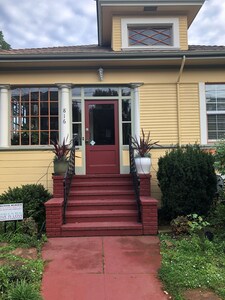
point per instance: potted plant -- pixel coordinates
(60, 160)
(142, 148)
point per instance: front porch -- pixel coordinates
(101, 205)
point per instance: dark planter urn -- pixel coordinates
(60, 167)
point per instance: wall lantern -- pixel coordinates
(101, 74)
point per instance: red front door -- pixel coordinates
(101, 137)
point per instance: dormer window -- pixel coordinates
(159, 33)
(150, 35)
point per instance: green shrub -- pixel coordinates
(24, 291)
(32, 196)
(217, 217)
(220, 157)
(187, 181)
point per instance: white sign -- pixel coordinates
(11, 212)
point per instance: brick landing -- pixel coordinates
(102, 268)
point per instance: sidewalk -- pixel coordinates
(102, 268)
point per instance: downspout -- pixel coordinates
(178, 99)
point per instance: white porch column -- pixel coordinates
(4, 116)
(135, 87)
(64, 113)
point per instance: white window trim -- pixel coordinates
(126, 22)
(203, 114)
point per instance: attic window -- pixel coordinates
(161, 33)
(150, 36)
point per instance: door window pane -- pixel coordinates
(101, 124)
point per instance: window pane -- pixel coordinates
(15, 139)
(126, 92)
(150, 36)
(54, 109)
(126, 110)
(34, 94)
(101, 92)
(77, 134)
(34, 108)
(34, 138)
(44, 94)
(76, 111)
(34, 124)
(126, 133)
(54, 94)
(54, 135)
(54, 123)
(24, 138)
(76, 92)
(44, 138)
(44, 108)
(25, 109)
(25, 94)
(44, 123)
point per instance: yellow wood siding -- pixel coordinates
(189, 114)
(158, 110)
(116, 33)
(183, 33)
(25, 167)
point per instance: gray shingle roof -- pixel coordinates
(98, 50)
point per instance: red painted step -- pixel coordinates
(101, 194)
(101, 216)
(88, 204)
(102, 229)
(99, 185)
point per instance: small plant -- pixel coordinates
(192, 223)
(196, 223)
(61, 151)
(180, 225)
(24, 291)
(144, 145)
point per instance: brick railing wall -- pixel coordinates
(54, 217)
(149, 206)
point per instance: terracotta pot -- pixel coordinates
(143, 165)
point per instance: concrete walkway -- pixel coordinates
(102, 268)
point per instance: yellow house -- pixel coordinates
(142, 74)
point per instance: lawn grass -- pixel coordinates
(20, 276)
(192, 262)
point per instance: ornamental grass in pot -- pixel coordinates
(60, 160)
(142, 147)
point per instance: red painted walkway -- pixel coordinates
(102, 268)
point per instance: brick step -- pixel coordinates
(103, 178)
(101, 229)
(106, 194)
(101, 216)
(92, 185)
(87, 204)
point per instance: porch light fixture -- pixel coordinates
(101, 74)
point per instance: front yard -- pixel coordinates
(193, 263)
(21, 266)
